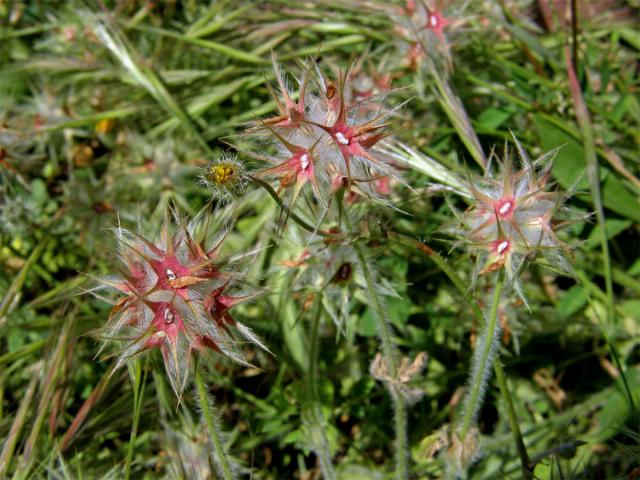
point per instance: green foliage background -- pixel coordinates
(86, 142)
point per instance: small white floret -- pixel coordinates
(504, 209)
(342, 139)
(171, 274)
(304, 161)
(502, 246)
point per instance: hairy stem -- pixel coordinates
(383, 327)
(500, 375)
(214, 434)
(322, 449)
(388, 350)
(481, 359)
(401, 440)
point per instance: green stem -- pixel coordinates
(401, 440)
(50, 382)
(19, 420)
(384, 330)
(527, 472)
(482, 355)
(500, 375)
(388, 350)
(214, 433)
(322, 448)
(138, 393)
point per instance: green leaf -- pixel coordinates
(38, 191)
(570, 164)
(573, 300)
(492, 118)
(631, 308)
(617, 198)
(292, 437)
(612, 227)
(622, 107)
(367, 324)
(631, 36)
(616, 411)
(635, 268)
(570, 161)
(399, 311)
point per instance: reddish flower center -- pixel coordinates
(168, 269)
(304, 161)
(342, 139)
(433, 20)
(300, 164)
(504, 207)
(166, 322)
(501, 246)
(436, 23)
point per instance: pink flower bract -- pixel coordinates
(177, 297)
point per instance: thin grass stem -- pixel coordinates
(527, 472)
(19, 420)
(138, 394)
(586, 131)
(50, 381)
(454, 109)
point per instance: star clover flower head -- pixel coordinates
(515, 216)
(329, 138)
(175, 295)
